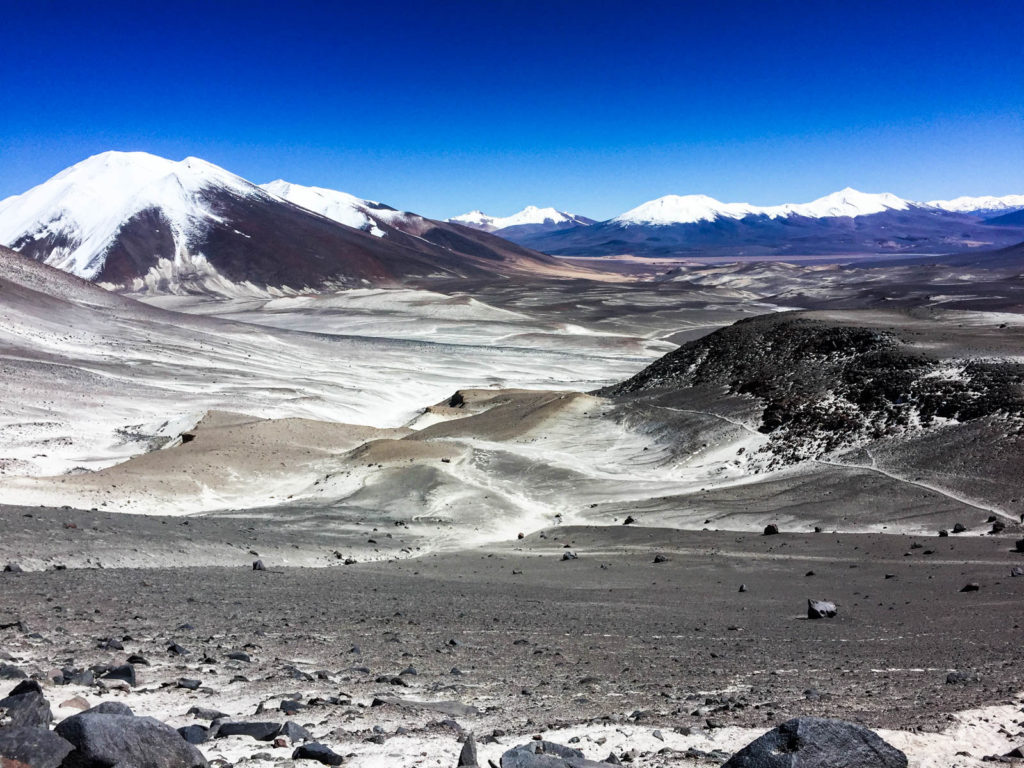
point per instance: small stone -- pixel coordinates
(820, 609)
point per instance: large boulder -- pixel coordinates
(102, 741)
(546, 754)
(25, 707)
(35, 747)
(817, 742)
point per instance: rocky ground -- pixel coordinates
(700, 636)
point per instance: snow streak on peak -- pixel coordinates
(338, 206)
(531, 214)
(688, 209)
(983, 203)
(83, 207)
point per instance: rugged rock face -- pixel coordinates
(822, 386)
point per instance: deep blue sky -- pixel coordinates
(440, 107)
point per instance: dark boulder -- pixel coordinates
(194, 734)
(102, 741)
(815, 742)
(468, 757)
(13, 568)
(546, 754)
(959, 528)
(771, 529)
(318, 752)
(125, 672)
(971, 587)
(570, 556)
(820, 609)
(11, 672)
(34, 747)
(257, 565)
(262, 731)
(26, 707)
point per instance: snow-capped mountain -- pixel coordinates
(134, 221)
(987, 203)
(531, 217)
(76, 215)
(689, 209)
(844, 222)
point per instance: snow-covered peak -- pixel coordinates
(531, 214)
(684, 209)
(338, 206)
(846, 202)
(81, 209)
(983, 203)
(688, 209)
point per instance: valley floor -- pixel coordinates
(513, 640)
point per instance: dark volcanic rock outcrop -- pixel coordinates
(815, 742)
(822, 384)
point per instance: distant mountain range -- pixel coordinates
(134, 221)
(529, 221)
(844, 222)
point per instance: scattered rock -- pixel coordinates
(970, 587)
(318, 752)
(195, 734)
(205, 713)
(1017, 571)
(120, 740)
(771, 529)
(943, 533)
(962, 678)
(11, 672)
(743, 588)
(33, 747)
(295, 732)
(629, 520)
(468, 757)
(260, 731)
(26, 707)
(569, 556)
(257, 565)
(76, 703)
(815, 742)
(125, 672)
(240, 656)
(660, 559)
(959, 528)
(189, 683)
(820, 609)
(13, 568)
